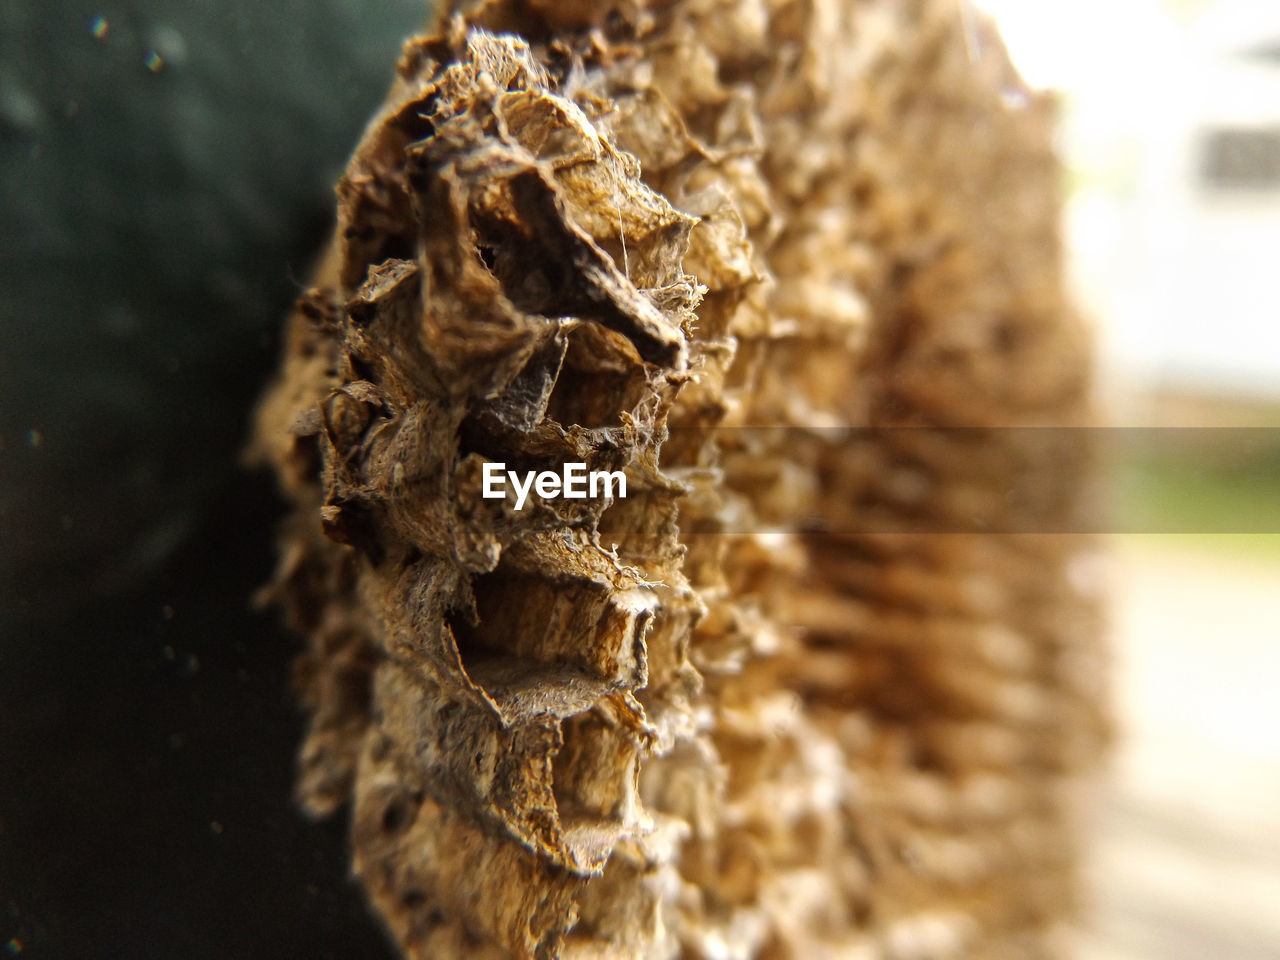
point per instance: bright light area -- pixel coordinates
(1083, 45)
(1171, 244)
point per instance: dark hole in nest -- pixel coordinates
(400, 812)
(599, 381)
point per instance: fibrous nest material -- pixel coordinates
(781, 700)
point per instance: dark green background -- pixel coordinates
(155, 227)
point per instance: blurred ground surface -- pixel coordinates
(1187, 865)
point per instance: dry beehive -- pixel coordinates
(774, 702)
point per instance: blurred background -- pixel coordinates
(1171, 139)
(166, 176)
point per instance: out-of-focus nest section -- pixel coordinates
(580, 729)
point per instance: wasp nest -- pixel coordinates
(791, 266)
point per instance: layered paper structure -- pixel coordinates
(733, 714)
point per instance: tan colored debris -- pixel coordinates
(762, 706)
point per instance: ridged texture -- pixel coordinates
(687, 240)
